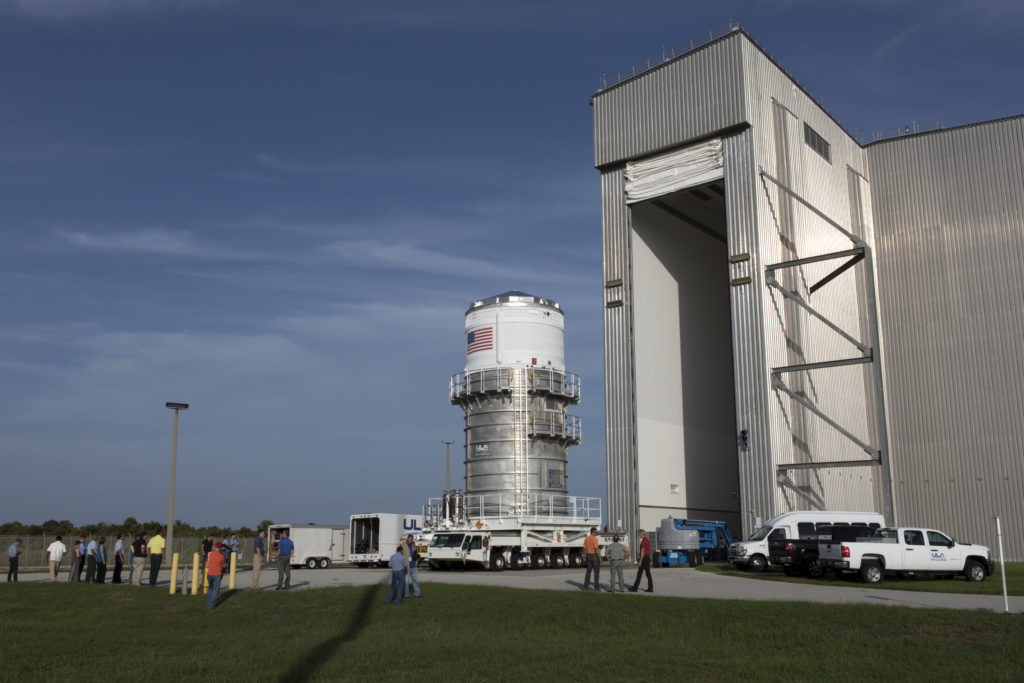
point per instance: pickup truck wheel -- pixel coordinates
(757, 564)
(814, 570)
(872, 572)
(974, 571)
(497, 562)
(311, 563)
(324, 563)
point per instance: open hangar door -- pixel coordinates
(682, 339)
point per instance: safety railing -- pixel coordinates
(502, 506)
(557, 425)
(499, 380)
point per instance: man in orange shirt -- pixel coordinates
(214, 572)
(590, 550)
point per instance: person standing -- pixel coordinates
(207, 548)
(118, 558)
(101, 559)
(616, 554)
(398, 564)
(643, 564)
(54, 554)
(591, 546)
(155, 547)
(139, 550)
(257, 559)
(413, 574)
(90, 560)
(285, 550)
(214, 574)
(13, 553)
(75, 575)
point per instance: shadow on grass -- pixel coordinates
(224, 596)
(306, 667)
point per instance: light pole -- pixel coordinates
(176, 407)
(447, 464)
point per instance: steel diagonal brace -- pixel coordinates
(795, 298)
(849, 235)
(777, 383)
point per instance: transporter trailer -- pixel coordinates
(492, 532)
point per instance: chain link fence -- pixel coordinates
(33, 549)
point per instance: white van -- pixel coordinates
(753, 553)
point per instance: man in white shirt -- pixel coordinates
(118, 558)
(55, 553)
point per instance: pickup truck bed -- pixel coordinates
(799, 556)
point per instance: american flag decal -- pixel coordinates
(480, 339)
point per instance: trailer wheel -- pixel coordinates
(558, 561)
(518, 561)
(576, 560)
(311, 563)
(539, 561)
(324, 563)
(497, 562)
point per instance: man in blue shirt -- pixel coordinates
(398, 565)
(12, 555)
(90, 560)
(285, 550)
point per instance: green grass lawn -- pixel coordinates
(993, 585)
(78, 632)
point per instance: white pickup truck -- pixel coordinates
(907, 550)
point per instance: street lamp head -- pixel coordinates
(177, 406)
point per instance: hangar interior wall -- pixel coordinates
(685, 399)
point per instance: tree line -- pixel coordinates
(129, 527)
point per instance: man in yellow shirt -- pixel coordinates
(156, 556)
(590, 550)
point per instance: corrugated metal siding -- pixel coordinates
(777, 110)
(949, 219)
(620, 448)
(688, 98)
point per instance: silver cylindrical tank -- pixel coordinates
(515, 392)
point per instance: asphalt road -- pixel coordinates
(672, 582)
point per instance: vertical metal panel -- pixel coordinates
(949, 219)
(777, 110)
(618, 356)
(684, 99)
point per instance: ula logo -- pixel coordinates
(412, 524)
(482, 449)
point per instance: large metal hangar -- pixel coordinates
(794, 320)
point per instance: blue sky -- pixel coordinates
(279, 212)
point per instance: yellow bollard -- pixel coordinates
(231, 581)
(206, 585)
(195, 574)
(174, 572)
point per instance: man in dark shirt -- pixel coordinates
(207, 548)
(139, 551)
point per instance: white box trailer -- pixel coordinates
(315, 545)
(374, 536)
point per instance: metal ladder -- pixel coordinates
(521, 440)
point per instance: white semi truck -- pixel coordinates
(315, 545)
(375, 536)
(489, 531)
